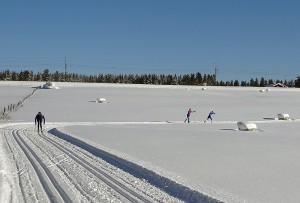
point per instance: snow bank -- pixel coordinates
(167, 185)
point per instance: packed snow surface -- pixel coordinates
(142, 127)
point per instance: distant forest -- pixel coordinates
(156, 79)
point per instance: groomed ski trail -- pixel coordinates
(51, 170)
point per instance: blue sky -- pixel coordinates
(245, 39)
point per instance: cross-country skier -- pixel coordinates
(188, 115)
(210, 116)
(39, 118)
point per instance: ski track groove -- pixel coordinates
(26, 181)
(53, 189)
(126, 192)
(16, 164)
(57, 164)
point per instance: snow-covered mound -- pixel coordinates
(101, 100)
(283, 116)
(49, 85)
(247, 126)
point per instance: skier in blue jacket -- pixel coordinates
(209, 117)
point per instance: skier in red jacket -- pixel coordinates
(188, 115)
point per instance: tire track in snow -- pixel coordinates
(51, 187)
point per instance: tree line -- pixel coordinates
(156, 79)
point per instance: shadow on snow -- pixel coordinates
(169, 186)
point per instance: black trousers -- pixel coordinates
(40, 125)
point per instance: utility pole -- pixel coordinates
(65, 68)
(216, 71)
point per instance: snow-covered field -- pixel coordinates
(139, 137)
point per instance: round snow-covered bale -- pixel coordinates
(246, 126)
(283, 116)
(262, 91)
(101, 100)
(203, 88)
(49, 85)
(268, 90)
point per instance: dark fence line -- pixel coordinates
(5, 111)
